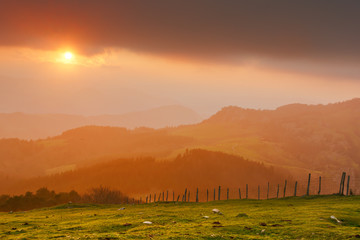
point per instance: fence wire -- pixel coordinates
(318, 185)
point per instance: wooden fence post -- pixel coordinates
(258, 192)
(239, 194)
(173, 196)
(347, 186)
(214, 194)
(159, 197)
(295, 189)
(185, 193)
(167, 195)
(207, 195)
(178, 198)
(227, 194)
(341, 182)
(267, 194)
(189, 196)
(308, 186)
(319, 185)
(277, 192)
(163, 198)
(197, 194)
(285, 188)
(247, 191)
(343, 185)
(219, 193)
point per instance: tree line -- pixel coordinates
(46, 198)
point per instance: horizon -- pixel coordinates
(182, 106)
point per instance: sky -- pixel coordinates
(204, 54)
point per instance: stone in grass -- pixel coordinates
(217, 211)
(121, 209)
(337, 220)
(147, 222)
(206, 217)
(242, 215)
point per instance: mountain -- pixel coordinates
(35, 126)
(322, 139)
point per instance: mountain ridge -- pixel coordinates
(38, 126)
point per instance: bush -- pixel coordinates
(105, 195)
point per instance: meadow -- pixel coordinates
(287, 218)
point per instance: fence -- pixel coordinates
(306, 186)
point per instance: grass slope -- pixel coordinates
(289, 218)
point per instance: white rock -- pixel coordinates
(333, 217)
(215, 210)
(206, 217)
(121, 209)
(147, 222)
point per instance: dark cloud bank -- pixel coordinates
(316, 30)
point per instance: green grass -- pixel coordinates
(289, 218)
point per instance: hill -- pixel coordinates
(84, 146)
(35, 126)
(323, 139)
(194, 168)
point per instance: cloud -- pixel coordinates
(209, 30)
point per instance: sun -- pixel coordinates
(68, 55)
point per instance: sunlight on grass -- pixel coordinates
(289, 218)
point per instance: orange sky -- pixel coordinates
(131, 56)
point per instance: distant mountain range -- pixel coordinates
(35, 126)
(298, 138)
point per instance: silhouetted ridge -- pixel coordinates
(194, 168)
(238, 114)
(234, 114)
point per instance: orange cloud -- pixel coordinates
(207, 30)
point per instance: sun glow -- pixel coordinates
(68, 55)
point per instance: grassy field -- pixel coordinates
(289, 218)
